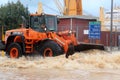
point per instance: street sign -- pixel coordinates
(94, 30)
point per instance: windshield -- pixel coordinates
(51, 23)
(37, 22)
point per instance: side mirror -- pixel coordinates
(23, 18)
(25, 22)
(27, 25)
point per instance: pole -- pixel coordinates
(111, 25)
(71, 24)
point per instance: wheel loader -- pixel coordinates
(41, 36)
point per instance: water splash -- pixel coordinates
(91, 59)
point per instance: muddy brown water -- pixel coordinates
(88, 65)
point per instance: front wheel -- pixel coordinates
(51, 48)
(14, 50)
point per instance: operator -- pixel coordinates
(43, 26)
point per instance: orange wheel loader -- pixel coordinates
(41, 36)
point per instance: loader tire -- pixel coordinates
(51, 49)
(14, 50)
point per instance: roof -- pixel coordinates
(80, 17)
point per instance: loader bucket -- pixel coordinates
(88, 46)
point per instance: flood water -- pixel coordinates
(88, 65)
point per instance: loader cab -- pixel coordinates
(43, 22)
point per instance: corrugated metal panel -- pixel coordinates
(105, 38)
(79, 25)
(64, 25)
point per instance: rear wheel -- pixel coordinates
(14, 50)
(51, 48)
